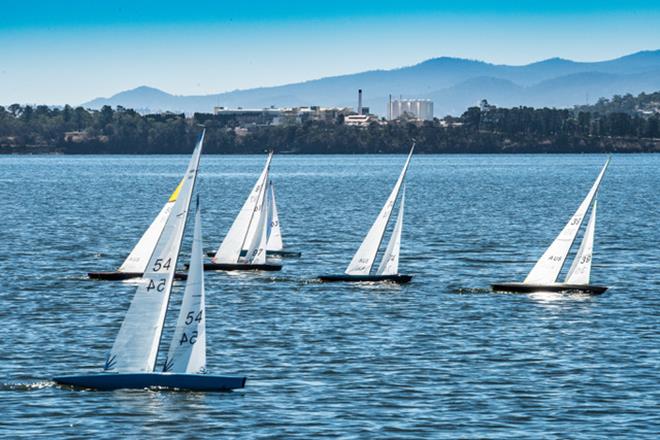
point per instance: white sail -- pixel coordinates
(255, 223)
(581, 267)
(136, 347)
(364, 258)
(256, 248)
(390, 262)
(547, 268)
(239, 234)
(274, 230)
(187, 352)
(137, 260)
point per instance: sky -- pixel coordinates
(57, 52)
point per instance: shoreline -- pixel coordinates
(503, 153)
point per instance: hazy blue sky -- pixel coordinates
(58, 52)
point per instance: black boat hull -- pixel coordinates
(557, 287)
(283, 254)
(117, 381)
(114, 276)
(398, 278)
(268, 267)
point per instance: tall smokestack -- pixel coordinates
(389, 108)
(359, 102)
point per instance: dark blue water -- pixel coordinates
(441, 357)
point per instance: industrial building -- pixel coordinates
(419, 109)
(281, 116)
(251, 117)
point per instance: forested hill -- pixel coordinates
(642, 104)
(453, 84)
(608, 126)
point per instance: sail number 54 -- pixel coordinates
(159, 285)
(190, 340)
(158, 264)
(190, 317)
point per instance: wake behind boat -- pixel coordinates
(544, 274)
(131, 362)
(245, 245)
(359, 270)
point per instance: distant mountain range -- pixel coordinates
(452, 83)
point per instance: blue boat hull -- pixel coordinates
(116, 381)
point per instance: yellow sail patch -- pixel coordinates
(175, 194)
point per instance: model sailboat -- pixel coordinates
(544, 275)
(360, 268)
(274, 244)
(136, 262)
(132, 359)
(244, 246)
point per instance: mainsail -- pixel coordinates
(187, 352)
(137, 260)
(274, 230)
(258, 237)
(364, 258)
(389, 265)
(242, 231)
(136, 347)
(549, 266)
(581, 267)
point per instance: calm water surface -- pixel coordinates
(441, 357)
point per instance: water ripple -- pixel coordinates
(441, 357)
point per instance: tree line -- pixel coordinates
(41, 129)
